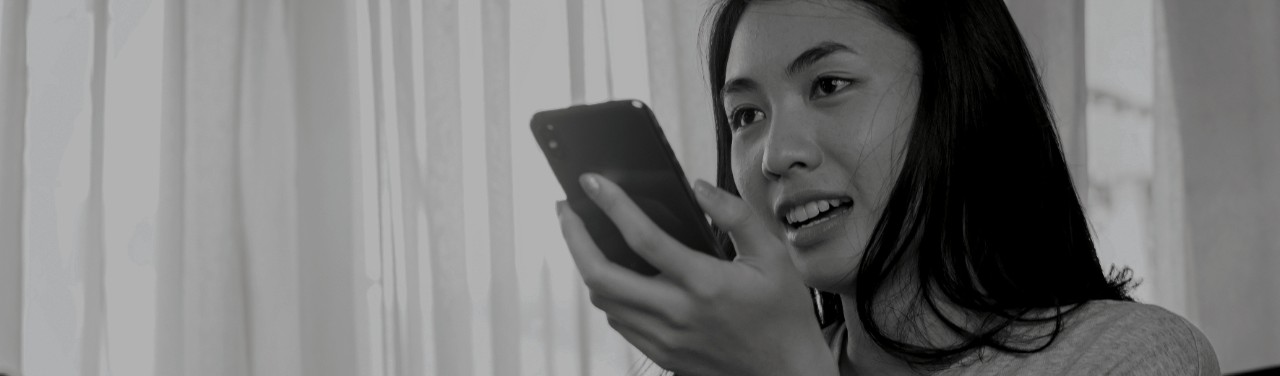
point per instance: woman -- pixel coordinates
(899, 157)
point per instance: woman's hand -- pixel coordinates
(701, 315)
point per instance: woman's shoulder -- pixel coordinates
(1101, 337)
(1106, 337)
(1130, 325)
(1131, 337)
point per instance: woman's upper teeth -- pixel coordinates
(809, 210)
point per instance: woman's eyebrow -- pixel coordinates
(802, 61)
(738, 85)
(815, 53)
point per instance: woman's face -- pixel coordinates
(820, 96)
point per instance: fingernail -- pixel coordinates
(590, 183)
(703, 188)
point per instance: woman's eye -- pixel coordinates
(745, 116)
(825, 86)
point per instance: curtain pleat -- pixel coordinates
(677, 83)
(576, 17)
(244, 190)
(550, 329)
(1168, 192)
(608, 57)
(93, 249)
(411, 185)
(170, 237)
(504, 290)
(445, 230)
(210, 302)
(267, 152)
(327, 178)
(400, 181)
(577, 54)
(386, 243)
(13, 113)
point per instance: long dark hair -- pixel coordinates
(983, 214)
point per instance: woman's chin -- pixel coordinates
(825, 269)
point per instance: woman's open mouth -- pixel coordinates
(816, 212)
(815, 222)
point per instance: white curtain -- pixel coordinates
(321, 187)
(1167, 108)
(336, 187)
(1225, 87)
(13, 102)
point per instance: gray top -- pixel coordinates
(1102, 337)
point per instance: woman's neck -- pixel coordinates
(901, 301)
(862, 354)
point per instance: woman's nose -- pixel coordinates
(789, 149)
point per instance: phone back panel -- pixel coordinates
(622, 141)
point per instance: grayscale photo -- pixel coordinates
(639, 187)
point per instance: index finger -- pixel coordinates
(606, 277)
(750, 235)
(645, 238)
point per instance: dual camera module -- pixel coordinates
(552, 145)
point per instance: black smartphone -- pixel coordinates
(621, 140)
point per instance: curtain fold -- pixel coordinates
(1223, 60)
(13, 116)
(445, 232)
(1168, 224)
(93, 238)
(267, 138)
(255, 249)
(681, 98)
(411, 184)
(328, 179)
(202, 281)
(170, 348)
(389, 224)
(504, 290)
(572, 298)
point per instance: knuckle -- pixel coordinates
(643, 238)
(667, 345)
(705, 291)
(598, 300)
(678, 316)
(592, 280)
(671, 344)
(663, 358)
(672, 351)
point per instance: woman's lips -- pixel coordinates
(821, 230)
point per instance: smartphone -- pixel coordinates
(621, 140)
